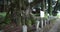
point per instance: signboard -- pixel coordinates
(41, 14)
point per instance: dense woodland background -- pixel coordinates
(20, 12)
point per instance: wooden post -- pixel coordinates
(37, 27)
(41, 23)
(24, 28)
(45, 22)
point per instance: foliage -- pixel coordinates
(2, 17)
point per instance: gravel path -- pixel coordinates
(55, 26)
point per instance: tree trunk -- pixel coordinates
(43, 5)
(15, 12)
(50, 7)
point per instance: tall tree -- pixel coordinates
(56, 8)
(50, 7)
